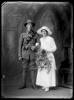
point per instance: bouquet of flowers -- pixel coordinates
(42, 61)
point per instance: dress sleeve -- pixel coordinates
(51, 45)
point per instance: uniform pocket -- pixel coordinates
(25, 54)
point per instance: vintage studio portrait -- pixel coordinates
(36, 50)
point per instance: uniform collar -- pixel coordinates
(31, 31)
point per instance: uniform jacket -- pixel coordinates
(25, 43)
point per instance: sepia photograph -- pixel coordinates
(36, 50)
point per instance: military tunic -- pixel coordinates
(26, 41)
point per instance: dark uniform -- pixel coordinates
(26, 41)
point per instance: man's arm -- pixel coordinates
(20, 47)
(38, 40)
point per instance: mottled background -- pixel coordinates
(58, 17)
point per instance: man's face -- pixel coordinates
(29, 26)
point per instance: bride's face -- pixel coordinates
(44, 33)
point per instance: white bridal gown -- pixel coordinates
(43, 78)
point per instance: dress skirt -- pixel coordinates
(46, 79)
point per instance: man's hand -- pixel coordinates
(20, 58)
(26, 46)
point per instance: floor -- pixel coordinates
(10, 89)
(59, 92)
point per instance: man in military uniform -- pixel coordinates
(26, 52)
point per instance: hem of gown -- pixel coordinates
(46, 85)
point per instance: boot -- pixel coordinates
(33, 86)
(23, 87)
(24, 78)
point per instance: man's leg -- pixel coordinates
(24, 73)
(33, 78)
(33, 73)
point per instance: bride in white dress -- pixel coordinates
(46, 76)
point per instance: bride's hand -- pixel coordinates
(37, 44)
(48, 70)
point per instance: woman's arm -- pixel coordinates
(51, 46)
